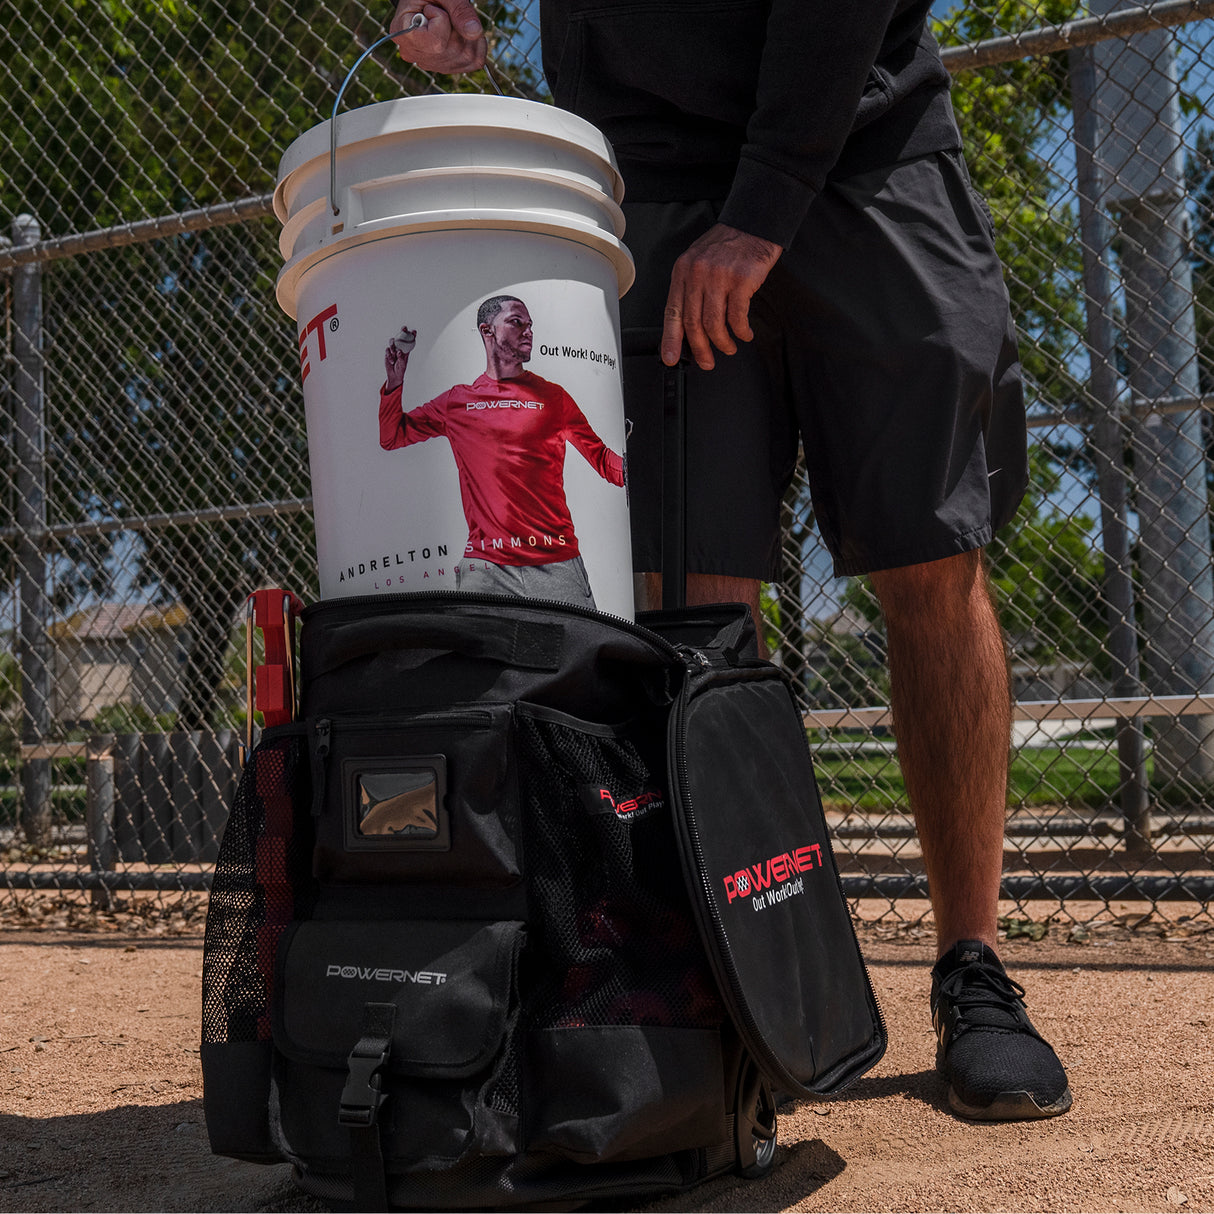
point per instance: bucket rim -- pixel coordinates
(445, 112)
(610, 247)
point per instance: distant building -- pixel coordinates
(118, 654)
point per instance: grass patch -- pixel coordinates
(66, 804)
(1046, 776)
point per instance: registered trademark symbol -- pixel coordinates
(334, 325)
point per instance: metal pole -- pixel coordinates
(1141, 158)
(99, 812)
(1173, 510)
(1107, 442)
(30, 512)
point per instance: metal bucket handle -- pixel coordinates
(419, 22)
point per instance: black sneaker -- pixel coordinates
(998, 1067)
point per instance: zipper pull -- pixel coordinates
(321, 732)
(693, 658)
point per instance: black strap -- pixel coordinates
(361, 1100)
(528, 644)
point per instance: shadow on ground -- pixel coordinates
(133, 1157)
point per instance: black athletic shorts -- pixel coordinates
(883, 343)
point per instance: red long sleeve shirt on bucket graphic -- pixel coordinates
(508, 438)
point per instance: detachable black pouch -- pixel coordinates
(765, 889)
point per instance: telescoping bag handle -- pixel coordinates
(646, 343)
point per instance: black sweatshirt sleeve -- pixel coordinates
(816, 61)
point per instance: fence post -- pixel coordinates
(1107, 442)
(99, 812)
(1141, 156)
(30, 513)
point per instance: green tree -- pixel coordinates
(172, 382)
(1012, 116)
(1047, 573)
(116, 110)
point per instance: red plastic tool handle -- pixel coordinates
(274, 612)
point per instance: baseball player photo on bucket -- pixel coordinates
(454, 265)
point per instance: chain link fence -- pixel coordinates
(155, 468)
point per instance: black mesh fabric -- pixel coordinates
(617, 944)
(261, 875)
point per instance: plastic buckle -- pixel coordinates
(362, 1097)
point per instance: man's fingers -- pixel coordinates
(715, 327)
(458, 14)
(739, 315)
(693, 328)
(712, 286)
(452, 41)
(672, 334)
(462, 15)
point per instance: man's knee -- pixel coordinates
(935, 590)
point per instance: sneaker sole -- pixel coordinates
(1009, 1106)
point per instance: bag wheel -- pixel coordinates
(755, 1127)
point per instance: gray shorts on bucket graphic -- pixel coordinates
(565, 581)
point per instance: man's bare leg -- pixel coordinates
(952, 716)
(703, 588)
(952, 719)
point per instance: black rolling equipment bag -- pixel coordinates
(529, 905)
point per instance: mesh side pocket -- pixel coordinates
(261, 875)
(617, 941)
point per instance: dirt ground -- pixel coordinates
(101, 1099)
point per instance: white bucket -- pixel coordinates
(444, 203)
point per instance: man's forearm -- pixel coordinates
(391, 419)
(816, 60)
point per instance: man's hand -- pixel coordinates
(452, 42)
(396, 357)
(710, 293)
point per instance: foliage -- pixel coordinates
(1047, 573)
(1010, 116)
(170, 382)
(129, 108)
(132, 718)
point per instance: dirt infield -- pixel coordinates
(100, 1089)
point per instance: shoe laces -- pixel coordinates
(983, 996)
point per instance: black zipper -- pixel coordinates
(663, 646)
(422, 719)
(320, 736)
(318, 747)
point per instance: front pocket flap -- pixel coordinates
(453, 984)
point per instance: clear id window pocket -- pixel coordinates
(397, 804)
